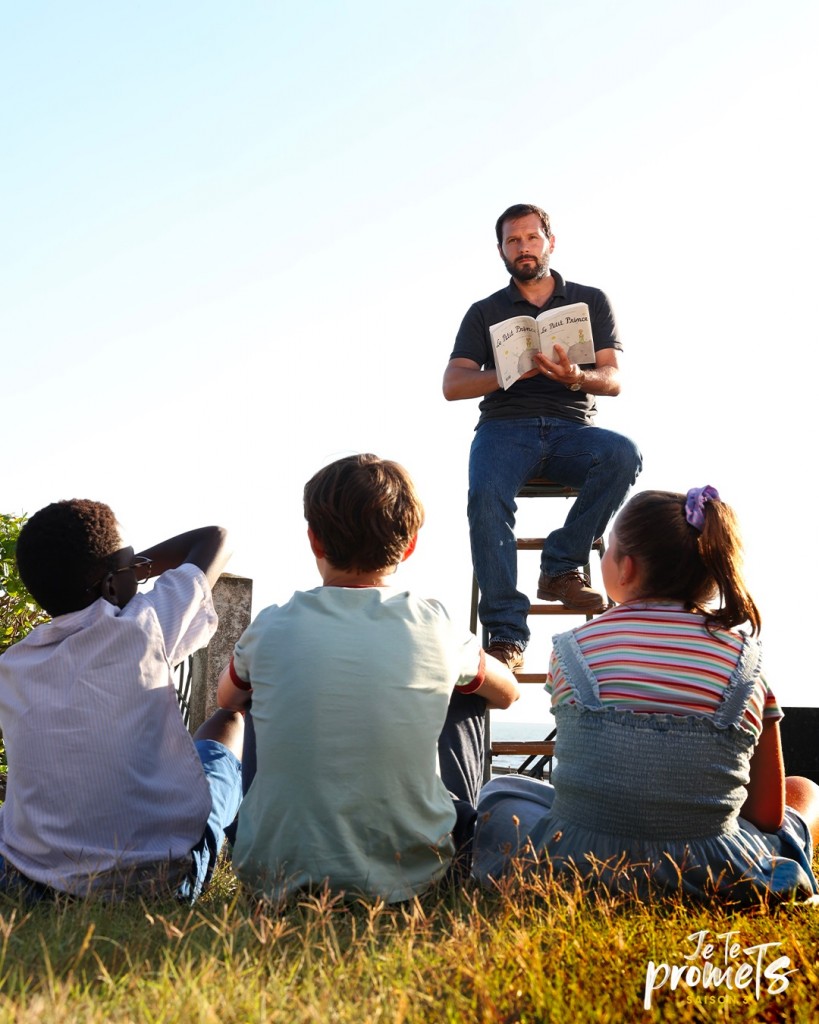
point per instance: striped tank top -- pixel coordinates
(655, 657)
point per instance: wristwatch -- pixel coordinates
(578, 384)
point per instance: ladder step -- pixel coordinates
(539, 487)
(556, 609)
(544, 748)
(536, 543)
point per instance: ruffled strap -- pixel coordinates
(576, 670)
(741, 684)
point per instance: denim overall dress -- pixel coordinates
(644, 802)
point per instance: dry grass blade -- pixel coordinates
(532, 951)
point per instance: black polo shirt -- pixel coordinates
(537, 396)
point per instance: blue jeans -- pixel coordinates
(505, 454)
(224, 774)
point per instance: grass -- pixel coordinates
(522, 954)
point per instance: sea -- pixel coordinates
(517, 731)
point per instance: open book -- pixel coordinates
(516, 340)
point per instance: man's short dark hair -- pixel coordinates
(522, 210)
(62, 548)
(364, 511)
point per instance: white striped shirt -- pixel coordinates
(103, 774)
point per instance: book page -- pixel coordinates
(514, 343)
(569, 326)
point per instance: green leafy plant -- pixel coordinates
(19, 613)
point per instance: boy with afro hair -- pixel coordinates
(107, 791)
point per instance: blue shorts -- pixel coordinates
(792, 841)
(223, 772)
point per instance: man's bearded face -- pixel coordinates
(529, 267)
(526, 248)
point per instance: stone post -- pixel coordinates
(232, 599)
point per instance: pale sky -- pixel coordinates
(238, 239)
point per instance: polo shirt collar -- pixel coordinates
(560, 290)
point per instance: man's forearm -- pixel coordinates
(468, 382)
(463, 379)
(602, 380)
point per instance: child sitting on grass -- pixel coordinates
(350, 685)
(669, 768)
(107, 791)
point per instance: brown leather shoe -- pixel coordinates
(507, 653)
(572, 590)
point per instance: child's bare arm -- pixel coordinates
(229, 695)
(499, 687)
(206, 548)
(765, 804)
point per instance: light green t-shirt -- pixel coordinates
(350, 691)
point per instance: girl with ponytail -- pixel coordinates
(669, 771)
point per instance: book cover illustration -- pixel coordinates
(516, 340)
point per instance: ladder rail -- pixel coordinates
(537, 754)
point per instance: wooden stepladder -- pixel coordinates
(536, 754)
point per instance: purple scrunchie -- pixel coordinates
(695, 502)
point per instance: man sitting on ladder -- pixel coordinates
(542, 425)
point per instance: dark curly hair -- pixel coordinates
(63, 548)
(365, 512)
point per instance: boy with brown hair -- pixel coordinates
(350, 685)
